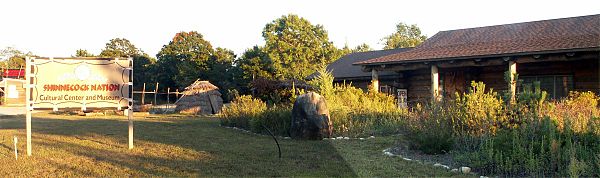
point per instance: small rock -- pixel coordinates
(483, 177)
(372, 137)
(465, 170)
(333, 138)
(346, 138)
(340, 138)
(286, 137)
(407, 159)
(454, 170)
(446, 167)
(388, 153)
(437, 165)
(361, 138)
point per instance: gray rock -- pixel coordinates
(310, 118)
(465, 170)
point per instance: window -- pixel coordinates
(557, 86)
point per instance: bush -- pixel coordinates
(356, 113)
(430, 130)
(241, 110)
(277, 119)
(578, 109)
(543, 139)
(478, 112)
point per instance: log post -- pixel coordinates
(435, 83)
(512, 68)
(130, 123)
(168, 95)
(155, 93)
(375, 80)
(143, 93)
(28, 103)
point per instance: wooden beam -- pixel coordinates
(168, 95)
(143, 93)
(130, 124)
(512, 68)
(435, 83)
(375, 80)
(155, 93)
(28, 103)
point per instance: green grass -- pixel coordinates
(185, 146)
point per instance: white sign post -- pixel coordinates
(79, 83)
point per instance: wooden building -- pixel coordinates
(13, 92)
(344, 72)
(13, 73)
(562, 54)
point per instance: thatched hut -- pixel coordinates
(201, 97)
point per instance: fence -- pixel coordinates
(155, 94)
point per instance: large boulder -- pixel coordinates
(310, 118)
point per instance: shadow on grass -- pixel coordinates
(207, 148)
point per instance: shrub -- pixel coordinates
(277, 119)
(540, 138)
(478, 112)
(430, 129)
(356, 113)
(241, 110)
(578, 108)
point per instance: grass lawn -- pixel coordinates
(185, 146)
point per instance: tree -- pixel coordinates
(189, 57)
(254, 63)
(120, 47)
(123, 48)
(296, 47)
(405, 36)
(13, 58)
(220, 69)
(362, 48)
(83, 53)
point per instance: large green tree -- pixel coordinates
(189, 57)
(405, 36)
(120, 47)
(296, 47)
(254, 63)
(143, 64)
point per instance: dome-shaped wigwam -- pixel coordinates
(201, 97)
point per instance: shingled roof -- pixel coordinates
(582, 33)
(343, 68)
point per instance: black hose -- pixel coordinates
(271, 133)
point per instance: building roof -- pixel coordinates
(13, 73)
(582, 33)
(343, 68)
(199, 86)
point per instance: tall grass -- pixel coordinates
(528, 137)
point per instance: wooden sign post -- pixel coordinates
(79, 83)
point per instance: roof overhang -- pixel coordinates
(481, 60)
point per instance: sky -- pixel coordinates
(58, 28)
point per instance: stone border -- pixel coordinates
(462, 169)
